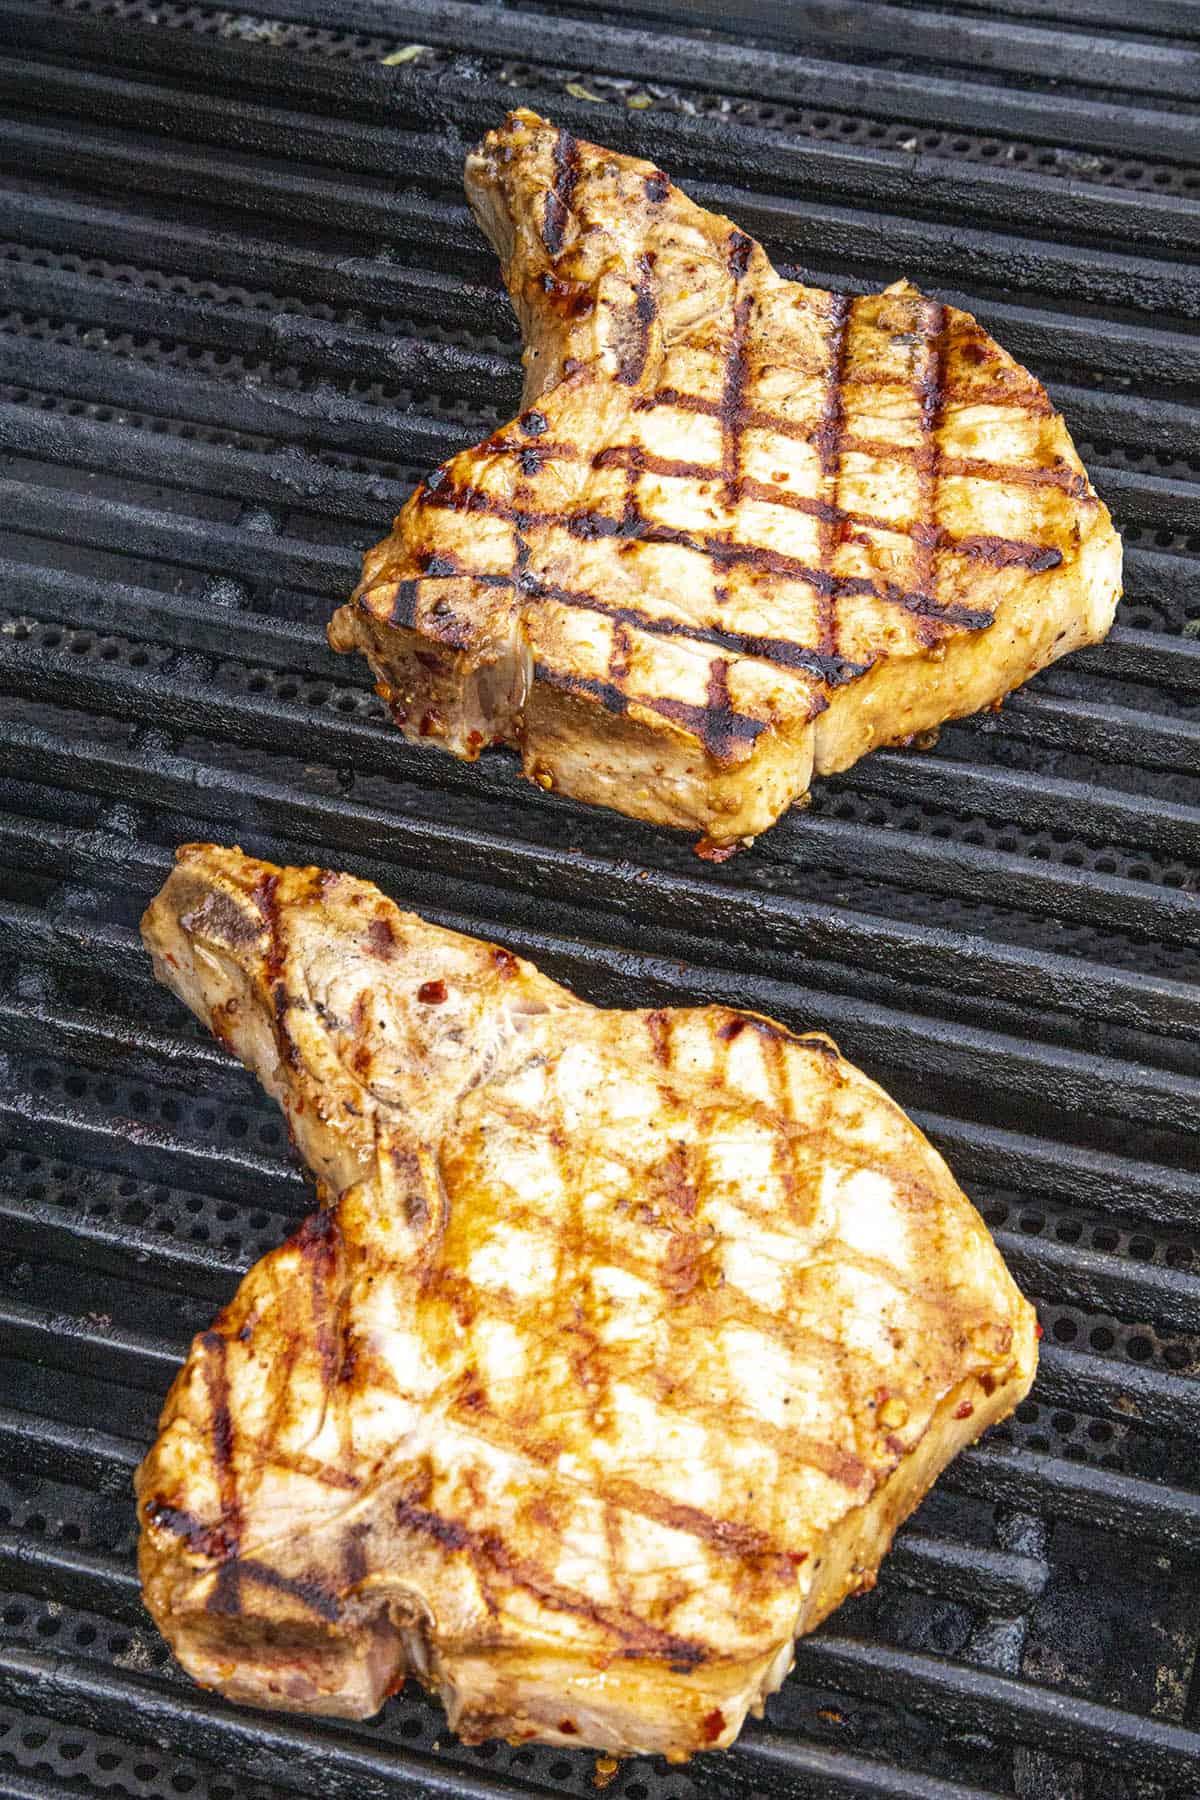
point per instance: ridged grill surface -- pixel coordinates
(242, 308)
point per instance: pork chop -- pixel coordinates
(625, 1343)
(743, 530)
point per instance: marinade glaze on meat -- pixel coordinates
(743, 530)
(622, 1345)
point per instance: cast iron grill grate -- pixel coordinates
(242, 306)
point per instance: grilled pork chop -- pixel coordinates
(627, 1343)
(744, 530)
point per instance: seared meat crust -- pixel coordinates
(625, 1343)
(743, 530)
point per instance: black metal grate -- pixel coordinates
(242, 306)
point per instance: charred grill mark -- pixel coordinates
(225, 1595)
(571, 299)
(1005, 553)
(472, 1396)
(411, 1176)
(733, 393)
(308, 1589)
(657, 187)
(982, 469)
(720, 736)
(381, 938)
(201, 1539)
(266, 897)
(827, 440)
(783, 1162)
(562, 192)
(222, 1422)
(921, 606)
(645, 310)
(308, 1466)
(404, 606)
(216, 1375)
(639, 1637)
(319, 1242)
(741, 249)
(720, 707)
(827, 437)
(775, 1061)
(672, 396)
(630, 511)
(354, 1555)
(282, 1002)
(827, 513)
(265, 894)
(520, 567)
(658, 1024)
(623, 456)
(674, 1181)
(440, 565)
(435, 563)
(727, 1536)
(618, 654)
(1002, 392)
(929, 392)
(447, 1532)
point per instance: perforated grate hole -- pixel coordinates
(90, 1762)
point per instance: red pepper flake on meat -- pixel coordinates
(712, 1725)
(707, 851)
(965, 1410)
(432, 993)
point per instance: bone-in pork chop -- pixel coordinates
(625, 1343)
(743, 531)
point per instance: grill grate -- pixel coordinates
(242, 306)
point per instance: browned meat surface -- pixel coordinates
(624, 1343)
(743, 530)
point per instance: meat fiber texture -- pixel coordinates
(622, 1345)
(743, 531)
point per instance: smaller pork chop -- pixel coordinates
(744, 530)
